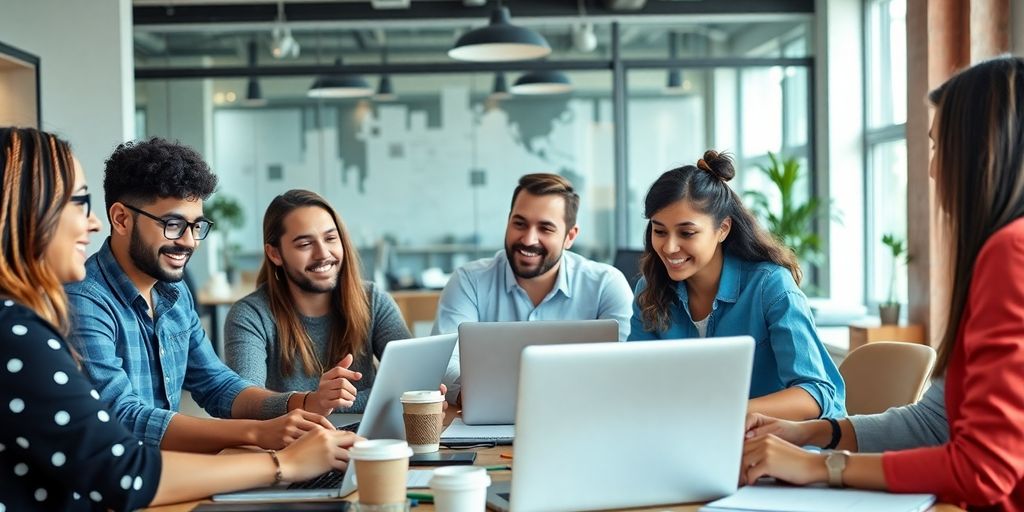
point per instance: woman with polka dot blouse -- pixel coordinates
(59, 448)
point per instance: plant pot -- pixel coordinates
(889, 313)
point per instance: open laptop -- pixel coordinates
(489, 359)
(418, 363)
(620, 425)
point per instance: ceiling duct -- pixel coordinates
(625, 5)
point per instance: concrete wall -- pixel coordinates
(86, 76)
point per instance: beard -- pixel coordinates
(307, 284)
(547, 262)
(148, 260)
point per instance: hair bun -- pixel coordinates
(718, 164)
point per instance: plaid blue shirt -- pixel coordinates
(140, 364)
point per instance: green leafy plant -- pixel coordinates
(898, 249)
(227, 214)
(793, 223)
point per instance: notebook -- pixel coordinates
(778, 497)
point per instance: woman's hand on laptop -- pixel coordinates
(768, 455)
(277, 433)
(335, 390)
(315, 453)
(799, 433)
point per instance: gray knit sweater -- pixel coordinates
(923, 423)
(251, 347)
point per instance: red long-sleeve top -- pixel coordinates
(982, 465)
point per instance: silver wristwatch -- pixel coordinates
(836, 462)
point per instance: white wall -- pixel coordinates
(85, 52)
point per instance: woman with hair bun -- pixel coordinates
(709, 269)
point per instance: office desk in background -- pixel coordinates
(214, 303)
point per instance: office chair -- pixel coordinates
(885, 374)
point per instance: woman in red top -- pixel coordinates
(978, 138)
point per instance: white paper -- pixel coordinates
(771, 497)
(418, 478)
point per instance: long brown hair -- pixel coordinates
(38, 177)
(350, 307)
(705, 187)
(979, 147)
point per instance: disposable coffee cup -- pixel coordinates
(460, 488)
(381, 469)
(423, 413)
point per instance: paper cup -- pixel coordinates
(381, 468)
(460, 488)
(423, 414)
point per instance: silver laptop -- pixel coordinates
(603, 426)
(489, 360)
(418, 363)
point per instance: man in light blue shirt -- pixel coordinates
(535, 277)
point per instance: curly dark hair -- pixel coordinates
(144, 171)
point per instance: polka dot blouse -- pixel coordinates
(59, 447)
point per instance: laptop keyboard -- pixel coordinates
(328, 480)
(351, 427)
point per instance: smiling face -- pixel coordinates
(150, 251)
(686, 239)
(66, 252)
(536, 234)
(310, 250)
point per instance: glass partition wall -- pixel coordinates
(423, 176)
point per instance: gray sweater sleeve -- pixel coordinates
(912, 426)
(246, 350)
(388, 323)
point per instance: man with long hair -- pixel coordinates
(313, 324)
(134, 320)
(536, 277)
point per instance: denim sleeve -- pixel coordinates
(94, 335)
(457, 304)
(800, 356)
(213, 385)
(637, 332)
(617, 302)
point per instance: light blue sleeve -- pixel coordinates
(800, 356)
(458, 303)
(637, 332)
(617, 302)
(213, 385)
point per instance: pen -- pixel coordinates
(506, 455)
(422, 497)
(499, 468)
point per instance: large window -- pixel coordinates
(885, 144)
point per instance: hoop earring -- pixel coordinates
(277, 273)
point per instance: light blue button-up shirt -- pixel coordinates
(761, 300)
(486, 290)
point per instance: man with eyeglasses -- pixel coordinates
(134, 321)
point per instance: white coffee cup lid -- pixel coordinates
(380, 449)
(422, 397)
(457, 478)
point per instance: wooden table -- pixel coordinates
(213, 303)
(492, 457)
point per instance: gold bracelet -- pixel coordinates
(278, 475)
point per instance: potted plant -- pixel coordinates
(227, 214)
(889, 310)
(793, 223)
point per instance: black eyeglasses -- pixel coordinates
(175, 228)
(85, 200)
